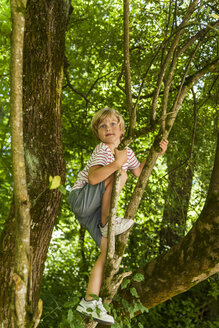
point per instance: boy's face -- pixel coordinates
(109, 131)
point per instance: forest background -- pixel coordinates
(178, 185)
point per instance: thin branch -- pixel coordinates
(165, 33)
(184, 89)
(72, 88)
(109, 272)
(144, 78)
(168, 58)
(95, 82)
(170, 78)
(187, 82)
(195, 109)
(119, 79)
(201, 34)
(167, 84)
(132, 111)
(175, 15)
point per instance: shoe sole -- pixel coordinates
(107, 323)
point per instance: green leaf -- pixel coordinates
(127, 322)
(134, 293)
(70, 316)
(125, 303)
(107, 307)
(138, 277)
(141, 307)
(98, 311)
(125, 283)
(215, 16)
(95, 297)
(55, 182)
(62, 189)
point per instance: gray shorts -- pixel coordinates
(86, 204)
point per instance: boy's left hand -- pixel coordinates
(163, 145)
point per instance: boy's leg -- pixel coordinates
(97, 272)
(90, 306)
(106, 200)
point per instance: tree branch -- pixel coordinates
(169, 81)
(168, 58)
(119, 79)
(192, 80)
(110, 269)
(95, 82)
(21, 197)
(132, 111)
(111, 235)
(70, 85)
(201, 34)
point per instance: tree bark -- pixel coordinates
(42, 122)
(21, 198)
(43, 69)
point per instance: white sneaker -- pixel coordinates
(121, 226)
(96, 310)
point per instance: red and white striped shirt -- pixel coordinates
(102, 155)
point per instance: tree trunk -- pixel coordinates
(43, 66)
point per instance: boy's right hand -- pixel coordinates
(121, 156)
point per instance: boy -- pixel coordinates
(91, 195)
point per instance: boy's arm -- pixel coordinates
(99, 173)
(163, 145)
(136, 172)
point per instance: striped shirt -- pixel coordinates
(102, 155)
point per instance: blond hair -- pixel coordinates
(101, 115)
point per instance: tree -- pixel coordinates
(169, 65)
(43, 67)
(192, 260)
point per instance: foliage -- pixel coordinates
(195, 308)
(94, 59)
